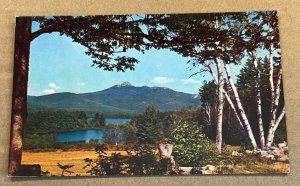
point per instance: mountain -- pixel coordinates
(122, 98)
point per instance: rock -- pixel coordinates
(248, 151)
(206, 172)
(283, 158)
(203, 168)
(281, 145)
(263, 153)
(285, 150)
(210, 167)
(277, 152)
(270, 156)
(235, 153)
(185, 170)
(273, 148)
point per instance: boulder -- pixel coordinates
(285, 150)
(273, 148)
(248, 151)
(277, 153)
(263, 153)
(210, 167)
(283, 158)
(206, 172)
(270, 156)
(281, 145)
(235, 153)
(185, 170)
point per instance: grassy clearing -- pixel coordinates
(49, 160)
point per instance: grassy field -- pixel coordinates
(49, 160)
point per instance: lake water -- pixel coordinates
(87, 135)
(116, 120)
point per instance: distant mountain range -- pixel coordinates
(122, 98)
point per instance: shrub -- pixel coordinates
(191, 146)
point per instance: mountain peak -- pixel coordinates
(125, 84)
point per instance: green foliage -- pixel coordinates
(52, 122)
(142, 160)
(149, 130)
(105, 165)
(208, 93)
(119, 134)
(191, 146)
(99, 120)
(39, 141)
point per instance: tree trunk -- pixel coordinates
(272, 96)
(275, 103)
(241, 126)
(19, 101)
(240, 107)
(220, 106)
(258, 103)
(278, 120)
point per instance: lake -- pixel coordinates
(87, 135)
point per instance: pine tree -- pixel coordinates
(149, 130)
(99, 120)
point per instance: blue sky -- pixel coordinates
(59, 65)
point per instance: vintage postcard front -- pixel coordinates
(148, 94)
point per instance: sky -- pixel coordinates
(59, 65)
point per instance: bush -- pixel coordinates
(141, 160)
(191, 146)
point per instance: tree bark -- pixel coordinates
(220, 106)
(278, 120)
(258, 103)
(275, 103)
(241, 126)
(19, 101)
(240, 107)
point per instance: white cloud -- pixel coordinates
(190, 81)
(80, 84)
(53, 86)
(51, 90)
(162, 80)
(48, 91)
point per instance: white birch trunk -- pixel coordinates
(275, 103)
(278, 120)
(240, 107)
(220, 106)
(258, 103)
(241, 126)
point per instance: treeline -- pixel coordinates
(53, 122)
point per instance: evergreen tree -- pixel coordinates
(99, 120)
(149, 130)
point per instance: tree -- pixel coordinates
(208, 96)
(99, 120)
(103, 36)
(120, 134)
(220, 42)
(229, 38)
(191, 146)
(149, 130)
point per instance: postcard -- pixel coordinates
(148, 94)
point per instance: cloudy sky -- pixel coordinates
(59, 65)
